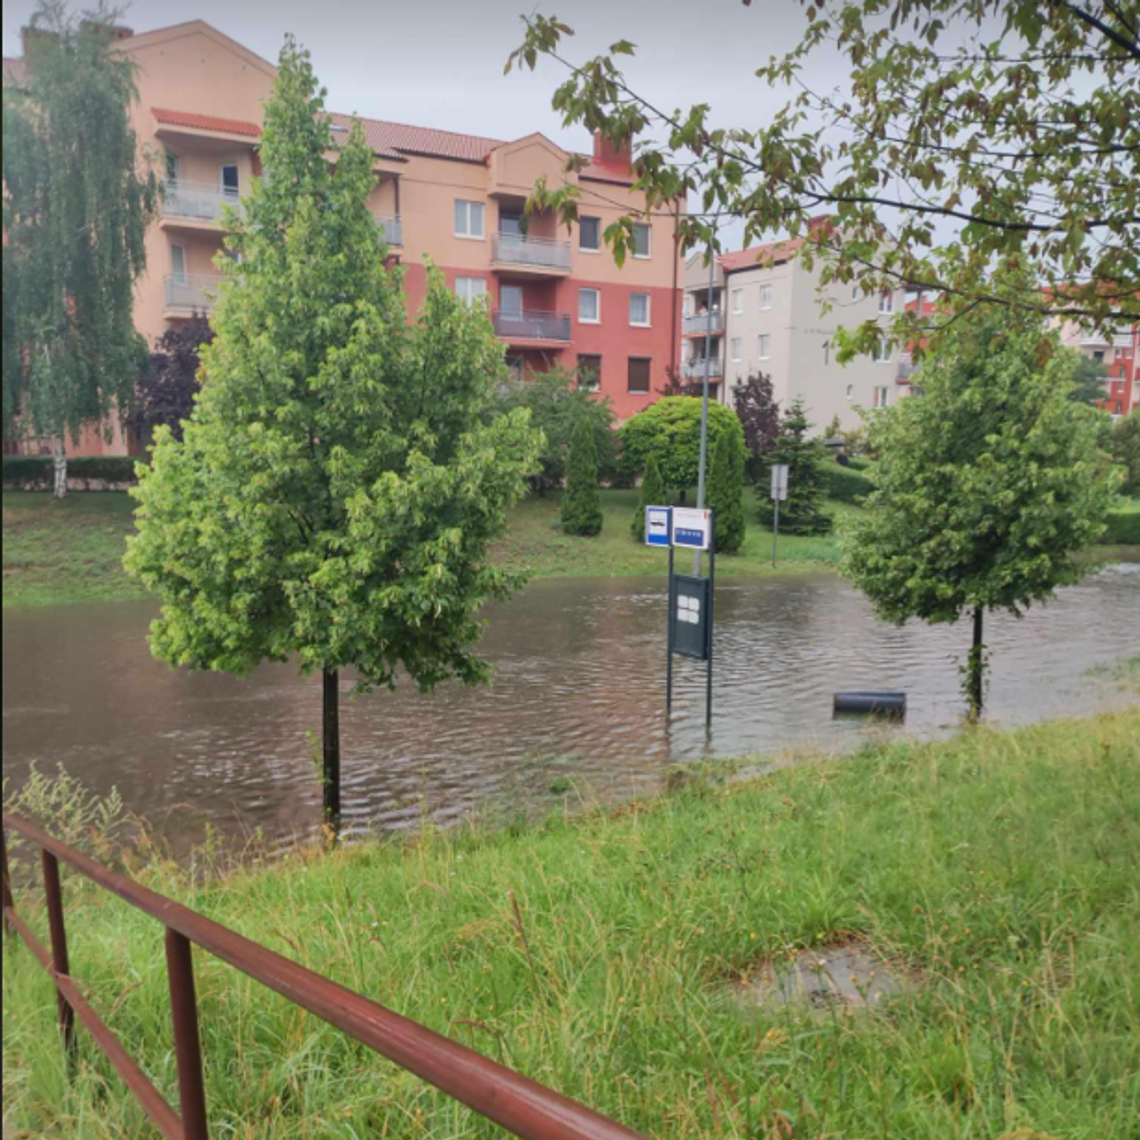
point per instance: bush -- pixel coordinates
(1125, 446)
(34, 472)
(582, 505)
(1123, 527)
(844, 483)
(671, 430)
(652, 495)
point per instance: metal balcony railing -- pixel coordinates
(699, 323)
(532, 325)
(392, 229)
(695, 369)
(199, 201)
(534, 253)
(191, 292)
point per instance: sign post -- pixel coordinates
(779, 492)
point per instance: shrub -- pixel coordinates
(1123, 527)
(726, 492)
(582, 505)
(87, 473)
(652, 495)
(844, 483)
(1125, 445)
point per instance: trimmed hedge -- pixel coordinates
(1123, 527)
(844, 483)
(84, 473)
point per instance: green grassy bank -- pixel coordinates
(57, 553)
(998, 871)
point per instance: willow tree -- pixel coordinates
(335, 489)
(986, 485)
(77, 203)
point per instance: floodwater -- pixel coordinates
(578, 697)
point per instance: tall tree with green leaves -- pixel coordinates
(726, 491)
(335, 490)
(966, 136)
(652, 495)
(581, 503)
(1126, 450)
(77, 203)
(986, 485)
(802, 512)
(1089, 380)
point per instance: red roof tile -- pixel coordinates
(772, 254)
(15, 73)
(198, 122)
(393, 140)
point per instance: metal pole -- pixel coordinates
(712, 592)
(669, 638)
(705, 398)
(775, 525)
(53, 894)
(187, 1045)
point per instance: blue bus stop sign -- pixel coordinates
(658, 530)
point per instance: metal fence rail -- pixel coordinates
(520, 1105)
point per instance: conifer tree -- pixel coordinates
(726, 492)
(652, 495)
(581, 504)
(802, 513)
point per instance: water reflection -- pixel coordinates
(579, 693)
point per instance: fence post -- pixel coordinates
(8, 902)
(53, 893)
(187, 1044)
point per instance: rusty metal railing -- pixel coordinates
(520, 1105)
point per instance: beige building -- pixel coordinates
(765, 309)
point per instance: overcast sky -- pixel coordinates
(439, 63)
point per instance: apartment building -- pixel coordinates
(555, 295)
(1119, 353)
(765, 312)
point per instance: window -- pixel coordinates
(173, 167)
(511, 300)
(512, 224)
(590, 372)
(590, 306)
(827, 352)
(639, 309)
(468, 219)
(735, 347)
(1098, 356)
(590, 234)
(515, 364)
(638, 374)
(640, 239)
(764, 346)
(883, 351)
(850, 391)
(230, 179)
(882, 396)
(738, 300)
(470, 289)
(766, 295)
(178, 262)
(886, 301)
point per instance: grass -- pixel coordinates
(1000, 869)
(58, 553)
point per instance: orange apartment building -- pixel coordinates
(555, 295)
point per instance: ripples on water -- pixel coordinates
(579, 693)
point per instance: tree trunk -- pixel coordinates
(976, 671)
(59, 468)
(330, 750)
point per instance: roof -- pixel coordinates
(15, 73)
(198, 122)
(760, 255)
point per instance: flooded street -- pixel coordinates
(579, 696)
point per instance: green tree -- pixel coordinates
(1089, 378)
(77, 203)
(335, 490)
(726, 492)
(581, 504)
(1126, 450)
(802, 512)
(671, 430)
(986, 485)
(991, 132)
(652, 495)
(557, 401)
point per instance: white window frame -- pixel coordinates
(597, 384)
(648, 241)
(178, 275)
(590, 248)
(886, 301)
(597, 320)
(850, 391)
(735, 346)
(885, 391)
(738, 301)
(765, 295)
(764, 346)
(222, 168)
(884, 345)
(466, 293)
(648, 322)
(468, 203)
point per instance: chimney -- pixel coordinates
(606, 154)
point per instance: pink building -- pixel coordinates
(555, 295)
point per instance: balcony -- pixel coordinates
(532, 325)
(695, 369)
(392, 230)
(196, 201)
(699, 323)
(190, 293)
(906, 369)
(529, 254)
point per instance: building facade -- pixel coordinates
(765, 309)
(1119, 354)
(555, 295)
